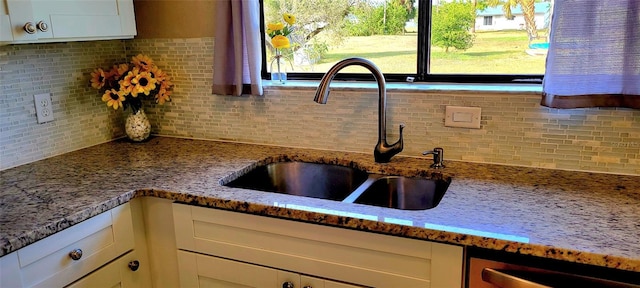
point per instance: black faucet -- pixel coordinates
(383, 152)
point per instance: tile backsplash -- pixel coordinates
(515, 130)
(62, 69)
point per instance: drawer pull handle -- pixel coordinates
(287, 285)
(76, 254)
(42, 26)
(29, 28)
(134, 265)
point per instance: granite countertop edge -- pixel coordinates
(330, 220)
(262, 207)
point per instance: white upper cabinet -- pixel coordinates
(5, 25)
(31, 21)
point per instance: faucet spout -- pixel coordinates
(383, 151)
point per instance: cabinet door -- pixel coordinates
(349, 256)
(5, 23)
(66, 20)
(118, 273)
(197, 270)
(82, 18)
(19, 14)
(313, 282)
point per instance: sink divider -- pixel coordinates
(363, 187)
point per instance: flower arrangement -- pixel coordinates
(279, 32)
(125, 84)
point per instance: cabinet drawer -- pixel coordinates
(346, 255)
(47, 263)
(118, 273)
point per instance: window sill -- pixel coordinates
(411, 87)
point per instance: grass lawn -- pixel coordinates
(501, 52)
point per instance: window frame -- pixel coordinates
(423, 51)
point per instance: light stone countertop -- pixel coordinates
(577, 217)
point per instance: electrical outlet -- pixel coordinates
(44, 109)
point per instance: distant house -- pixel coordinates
(493, 18)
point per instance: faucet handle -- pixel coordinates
(438, 157)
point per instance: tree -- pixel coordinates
(396, 16)
(451, 25)
(368, 18)
(363, 20)
(312, 16)
(409, 5)
(528, 11)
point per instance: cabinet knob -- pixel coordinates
(76, 254)
(134, 265)
(29, 28)
(287, 285)
(42, 26)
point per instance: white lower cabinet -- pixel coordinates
(71, 254)
(122, 272)
(251, 251)
(216, 248)
(204, 271)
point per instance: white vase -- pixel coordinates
(137, 126)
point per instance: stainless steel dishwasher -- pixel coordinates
(484, 273)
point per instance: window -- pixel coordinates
(413, 38)
(488, 20)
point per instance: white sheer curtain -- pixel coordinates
(594, 55)
(237, 55)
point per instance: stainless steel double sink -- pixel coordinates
(346, 184)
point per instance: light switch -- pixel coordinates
(465, 117)
(462, 117)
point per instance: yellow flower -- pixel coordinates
(98, 78)
(118, 70)
(280, 41)
(290, 19)
(166, 84)
(143, 83)
(113, 98)
(272, 27)
(144, 62)
(163, 96)
(126, 81)
(158, 74)
(123, 82)
(125, 90)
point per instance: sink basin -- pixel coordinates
(404, 193)
(346, 184)
(324, 181)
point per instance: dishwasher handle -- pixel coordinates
(505, 280)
